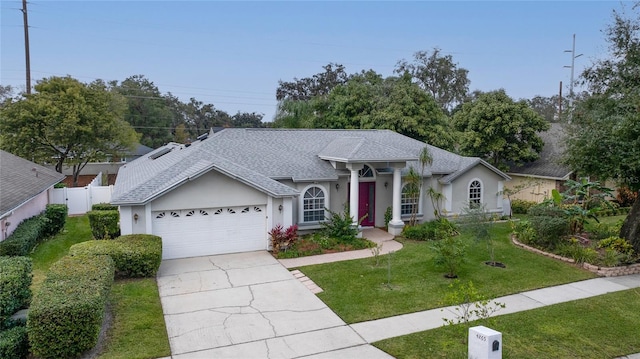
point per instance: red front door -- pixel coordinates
(366, 205)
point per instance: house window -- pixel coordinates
(475, 194)
(365, 172)
(409, 199)
(313, 205)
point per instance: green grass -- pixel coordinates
(138, 328)
(600, 327)
(357, 290)
(610, 220)
(76, 230)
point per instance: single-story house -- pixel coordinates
(535, 180)
(225, 192)
(24, 190)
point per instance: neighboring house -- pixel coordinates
(535, 180)
(24, 190)
(224, 193)
(109, 168)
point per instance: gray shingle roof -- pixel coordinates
(260, 157)
(548, 165)
(21, 180)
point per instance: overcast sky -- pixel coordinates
(232, 54)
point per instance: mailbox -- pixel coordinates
(484, 343)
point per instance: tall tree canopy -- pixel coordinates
(317, 85)
(500, 130)
(148, 112)
(604, 138)
(439, 76)
(367, 101)
(68, 122)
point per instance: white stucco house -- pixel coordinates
(224, 193)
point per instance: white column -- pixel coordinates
(396, 223)
(126, 220)
(287, 212)
(148, 219)
(499, 203)
(354, 196)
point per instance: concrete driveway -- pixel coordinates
(247, 305)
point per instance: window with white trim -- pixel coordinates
(313, 204)
(409, 198)
(475, 194)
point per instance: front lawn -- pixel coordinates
(605, 326)
(76, 230)
(359, 290)
(137, 329)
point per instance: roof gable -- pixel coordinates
(549, 164)
(21, 180)
(262, 157)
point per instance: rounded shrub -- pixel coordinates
(15, 282)
(104, 224)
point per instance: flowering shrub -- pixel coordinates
(281, 238)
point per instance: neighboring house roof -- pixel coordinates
(548, 165)
(21, 180)
(260, 157)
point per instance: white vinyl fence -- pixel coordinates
(80, 199)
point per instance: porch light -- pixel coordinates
(135, 217)
(386, 184)
(337, 186)
(280, 208)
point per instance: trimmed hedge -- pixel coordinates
(104, 224)
(104, 207)
(66, 314)
(135, 255)
(15, 282)
(26, 236)
(14, 343)
(57, 216)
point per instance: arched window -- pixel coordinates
(409, 199)
(475, 194)
(366, 172)
(313, 204)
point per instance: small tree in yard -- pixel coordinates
(449, 253)
(477, 222)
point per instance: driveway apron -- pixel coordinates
(247, 305)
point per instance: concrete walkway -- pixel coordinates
(383, 239)
(376, 330)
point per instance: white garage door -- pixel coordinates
(207, 231)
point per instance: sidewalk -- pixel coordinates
(376, 330)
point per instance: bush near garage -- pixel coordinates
(104, 224)
(66, 314)
(15, 282)
(134, 255)
(104, 207)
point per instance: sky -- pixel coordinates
(232, 54)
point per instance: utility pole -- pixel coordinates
(26, 45)
(560, 103)
(573, 60)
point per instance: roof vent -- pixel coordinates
(202, 137)
(160, 153)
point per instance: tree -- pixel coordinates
(317, 85)
(368, 100)
(604, 137)
(148, 112)
(499, 130)
(438, 75)
(67, 122)
(247, 120)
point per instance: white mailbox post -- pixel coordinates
(484, 343)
